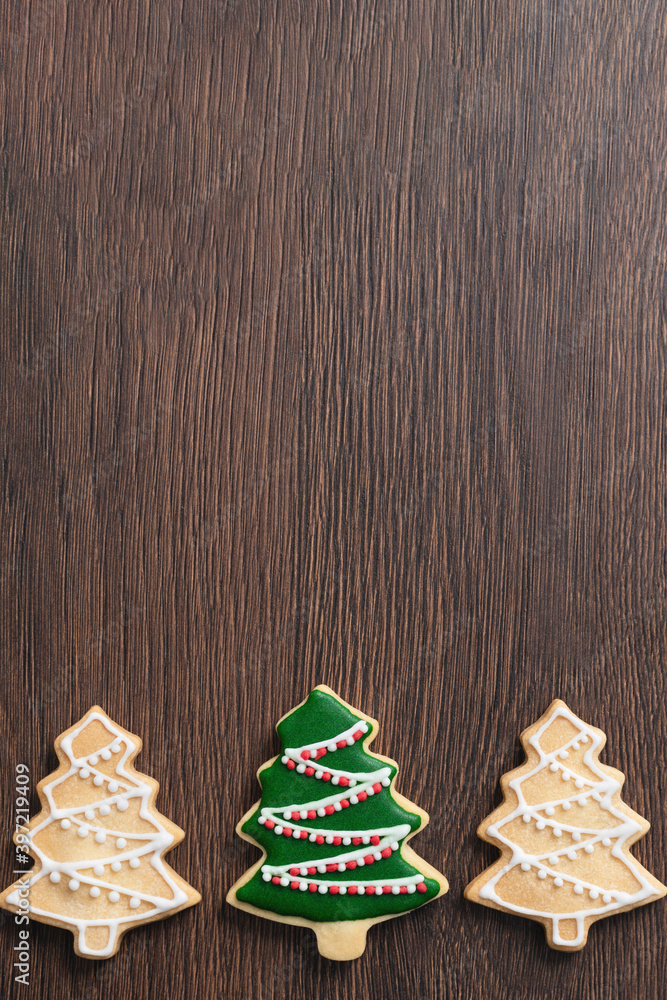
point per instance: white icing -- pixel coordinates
(128, 786)
(361, 781)
(602, 791)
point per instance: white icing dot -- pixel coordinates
(122, 805)
(321, 869)
(566, 775)
(525, 867)
(557, 831)
(549, 810)
(540, 824)
(113, 786)
(284, 759)
(116, 866)
(350, 741)
(553, 767)
(93, 760)
(284, 881)
(106, 754)
(278, 830)
(377, 855)
(395, 889)
(343, 890)
(266, 876)
(346, 841)
(558, 881)
(116, 747)
(121, 843)
(360, 863)
(100, 836)
(321, 812)
(334, 781)
(572, 855)
(312, 838)
(588, 848)
(563, 754)
(65, 823)
(303, 886)
(575, 745)
(328, 839)
(135, 902)
(411, 889)
(597, 796)
(365, 839)
(553, 859)
(260, 819)
(526, 817)
(99, 869)
(576, 835)
(567, 805)
(287, 815)
(94, 891)
(541, 873)
(606, 842)
(55, 876)
(370, 791)
(578, 889)
(114, 896)
(322, 889)
(341, 867)
(83, 830)
(105, 810)
(386, 782)
(332, 747)
(98, 780)
(89, 814)
(606, 898)
(354, 800)
(318, 774)
(84, 773)
(134, 863)
(303, 871)
(581, 800)
(337, 806)
(579, 783)
(394, 846)
(593, 893)
(74, 884)
(353, 781)
(361, 890)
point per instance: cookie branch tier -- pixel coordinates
(587, 822)
(367, 846)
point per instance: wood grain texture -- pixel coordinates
(333, 350)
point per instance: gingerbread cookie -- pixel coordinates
(565, 835)
(98, 843)
(333, 832)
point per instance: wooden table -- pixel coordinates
(333, 350)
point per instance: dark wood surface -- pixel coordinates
(333, 350)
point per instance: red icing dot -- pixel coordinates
(370, 890)
(311, 871)
(294, 885)
(352, 890)
(344, 803)
(310, 771)
(275, 880)
(287, 831)
(326, 776)
(294, 871)
(422, 887)
(305, 754)
(375, 840)
(387, 852)
(386, 889)
(329, 810)
(362, 796)
(303, 834)
(377, 787)
(343, 781)
(296, 815)
(319, 839)
(369, 859)
(291, 765)
(337, 841)
(356, 840)
(333, 889)
(351, 864)
(312, 887)
(269, 824)
(311, 814)
(320, 753)
(341, 744)
(332, 868)
(404, 889)
(357, 735)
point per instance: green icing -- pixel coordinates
(320, 717)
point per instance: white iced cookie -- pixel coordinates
(98, 843)
(565, 835)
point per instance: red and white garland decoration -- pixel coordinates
(285, 821)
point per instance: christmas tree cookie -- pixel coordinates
(565, 835)
(98, 843)
(333, 832)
